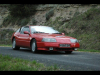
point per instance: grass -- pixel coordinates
(8, 63)
(15, 20)
(86, 29)
(3, 45)
(89, 50)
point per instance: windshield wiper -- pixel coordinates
(56, 33)
(38, 32)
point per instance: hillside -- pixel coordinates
(84, 27)
(79, 21)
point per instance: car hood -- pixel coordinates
(58, 37)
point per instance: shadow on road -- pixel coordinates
(46, 52)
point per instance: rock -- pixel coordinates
(65, 19)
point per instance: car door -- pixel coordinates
(24, 39)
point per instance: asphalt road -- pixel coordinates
(77, 61)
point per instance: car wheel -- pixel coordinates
(68, 52)
(33, 46)
(14, 47)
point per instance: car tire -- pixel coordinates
(68, 52)
(33, 46)
(14, 47)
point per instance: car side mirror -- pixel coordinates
(63, 33)
(26, 32)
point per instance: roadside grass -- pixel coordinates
(89, 50)
(3, 45)
(8, 63)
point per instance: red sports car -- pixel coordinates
(43, 38)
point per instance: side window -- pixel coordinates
(24, 29)
(32, 30)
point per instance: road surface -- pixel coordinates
(77, 61)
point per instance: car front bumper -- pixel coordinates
(56, 46)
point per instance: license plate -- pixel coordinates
(64, 45)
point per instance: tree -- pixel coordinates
(22, 10)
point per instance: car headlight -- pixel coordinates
(48, 40)
(74, 40)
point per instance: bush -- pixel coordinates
(5, 36)
(34, 21)
(49, 14)
(19, 13)
(10, 19)
(24, 21)
(76, 14)
(6, 20)
(22, 10)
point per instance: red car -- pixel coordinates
(43, 38)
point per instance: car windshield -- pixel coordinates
(43, 29)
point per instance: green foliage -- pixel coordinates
(5, 36)
(24, 21)
(10, 19)
(6, 20)
(85, 28)
(15, 20)
(89, 50)
(70, 13)
(19, 14)
(34, 21)
(76, 14)
(49, 14)
(8, 63)
(22, 10)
